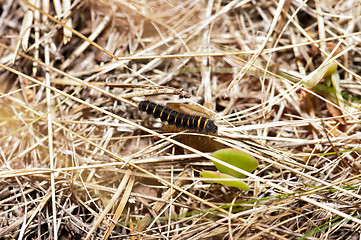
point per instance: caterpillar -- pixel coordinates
(186, 121)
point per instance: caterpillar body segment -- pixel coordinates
(186, 121)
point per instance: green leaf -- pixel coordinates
(317, 75)
(224, 179)
(236, 158)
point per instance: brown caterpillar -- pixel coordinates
(186, 121)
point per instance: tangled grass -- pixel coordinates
(280, 79)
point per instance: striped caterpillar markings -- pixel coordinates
(179, 119)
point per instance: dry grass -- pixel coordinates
(78, 160)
